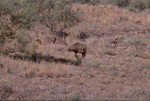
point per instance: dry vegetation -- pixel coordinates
(116, 66)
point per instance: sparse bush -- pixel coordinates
(83, 36)
(6, 31)
(14, 15)
(93, 2)
(148, 3)
(59, 14)
(25, 43)
(138, 4)
(82, 1)
(27, 14)
(121, 3)
(131, 8)
(22, 13)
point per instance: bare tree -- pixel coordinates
(59, 17)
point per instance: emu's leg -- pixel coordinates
(54, 41)
(64, 39)
(79, 58)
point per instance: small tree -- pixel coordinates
(59, 13)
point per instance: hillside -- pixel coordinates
(117, 65)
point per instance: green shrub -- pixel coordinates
(59, 13)
(22, 12)
(81, 1)
(148, 3)
(25, 43)
(83, 36)
(131, 8)
(139, 4)
(6, 31)
(23, 40)
(121, 3)
(16, 14)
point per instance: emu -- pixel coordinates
(80, 51)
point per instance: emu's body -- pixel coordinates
(78, 48)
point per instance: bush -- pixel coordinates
(6, 32)
(83, 36)
(23, 40)
(25, 43)
(5, 23)
(22, 13)
(121, 3)
(81, 1)
(16, 14)
(148, 3)
(138, 4)
(131, 8)
(59, 13)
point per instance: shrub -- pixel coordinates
(25, 43)
(131, 8)
(83, 36)
(22, 13)
(60, 13)
(6, 31)
(148, 3)
(16, 14)
(23, 40)
(81, 1)
(93, 2)
(121, 3)
(139, 4)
